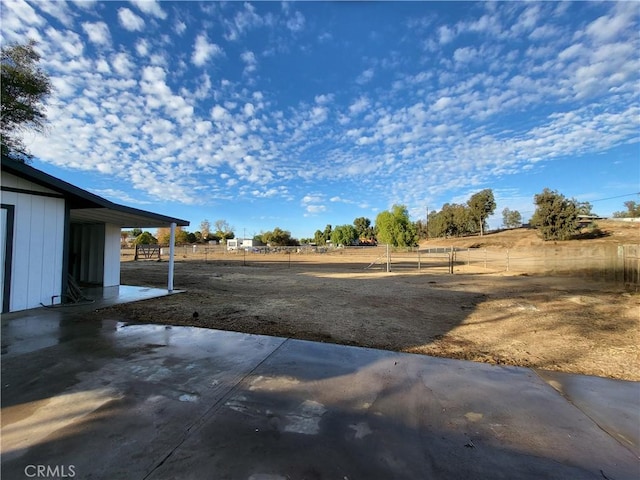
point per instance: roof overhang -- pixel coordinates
(86, 207)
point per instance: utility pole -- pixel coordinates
(427, 234)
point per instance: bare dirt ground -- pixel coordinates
(563, 323)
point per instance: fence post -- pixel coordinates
(388, 260)
(135, 255)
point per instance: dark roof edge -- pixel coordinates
(44, 179)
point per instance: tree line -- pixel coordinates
(556, 218)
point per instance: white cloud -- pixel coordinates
(122, 64)
(249, 60)
(129, 20)
(180, 27)
(296, 22)
(445, 35)
(359, 106)
(98, 33)
(203, 50)
(365, 77)
(219, 113)
(150, 7)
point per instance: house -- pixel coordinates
(238, 243)
(50, 230)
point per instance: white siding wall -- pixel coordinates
(36, 271)
(111, 255)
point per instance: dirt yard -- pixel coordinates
(567, 324)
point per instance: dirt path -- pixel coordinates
(564, 324)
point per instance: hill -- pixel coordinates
(611, 232)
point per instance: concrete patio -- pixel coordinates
(107, 400)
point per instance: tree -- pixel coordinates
(394, 227)
(584, 208)
(327, 233)
(555, 216)
(454, 220)
(278, 237)
(511, 218)
(633, 210)
(145, 238)
(136, 231)
(318, 238)
(344, 235)
(223, 230)
(24, 88)
(205, 229)
(481, 206)
(164, 236)
(364, 230)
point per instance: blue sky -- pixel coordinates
(299, 115)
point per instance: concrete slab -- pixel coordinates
(613, 405)
(111, 400)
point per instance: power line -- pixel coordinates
(611, 198)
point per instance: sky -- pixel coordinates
(299, 115)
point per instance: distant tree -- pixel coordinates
(223, 230)
(344, 235)
(633, 210)
(481, 206)
(327, 233)
(278, 237)
(555, 216)
(145, 238)
(164, 236)
(394, 227)
(454, 220)
(135, 232)
(584, 208)
(511, 218)
(24, 88)
(363, 227)
(191, 238)
(318, 238)
(197, 236)
(205, 229)
(421, 229)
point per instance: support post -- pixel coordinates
(172, 241)
(388, 260)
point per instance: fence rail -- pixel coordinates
(613, 263)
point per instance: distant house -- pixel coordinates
(238, 243)
(51, 230)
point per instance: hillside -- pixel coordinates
(613, 232)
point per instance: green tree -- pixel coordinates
(454, 220)
(633, 210)
(511, 218)
(318, 238)
(278, 237)
(327, 233)
(136, 231)
(363, 227)
(145, 238)
(24, 88)
(344, 235)
(481, 206)
(555, 216)
(394, 227)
